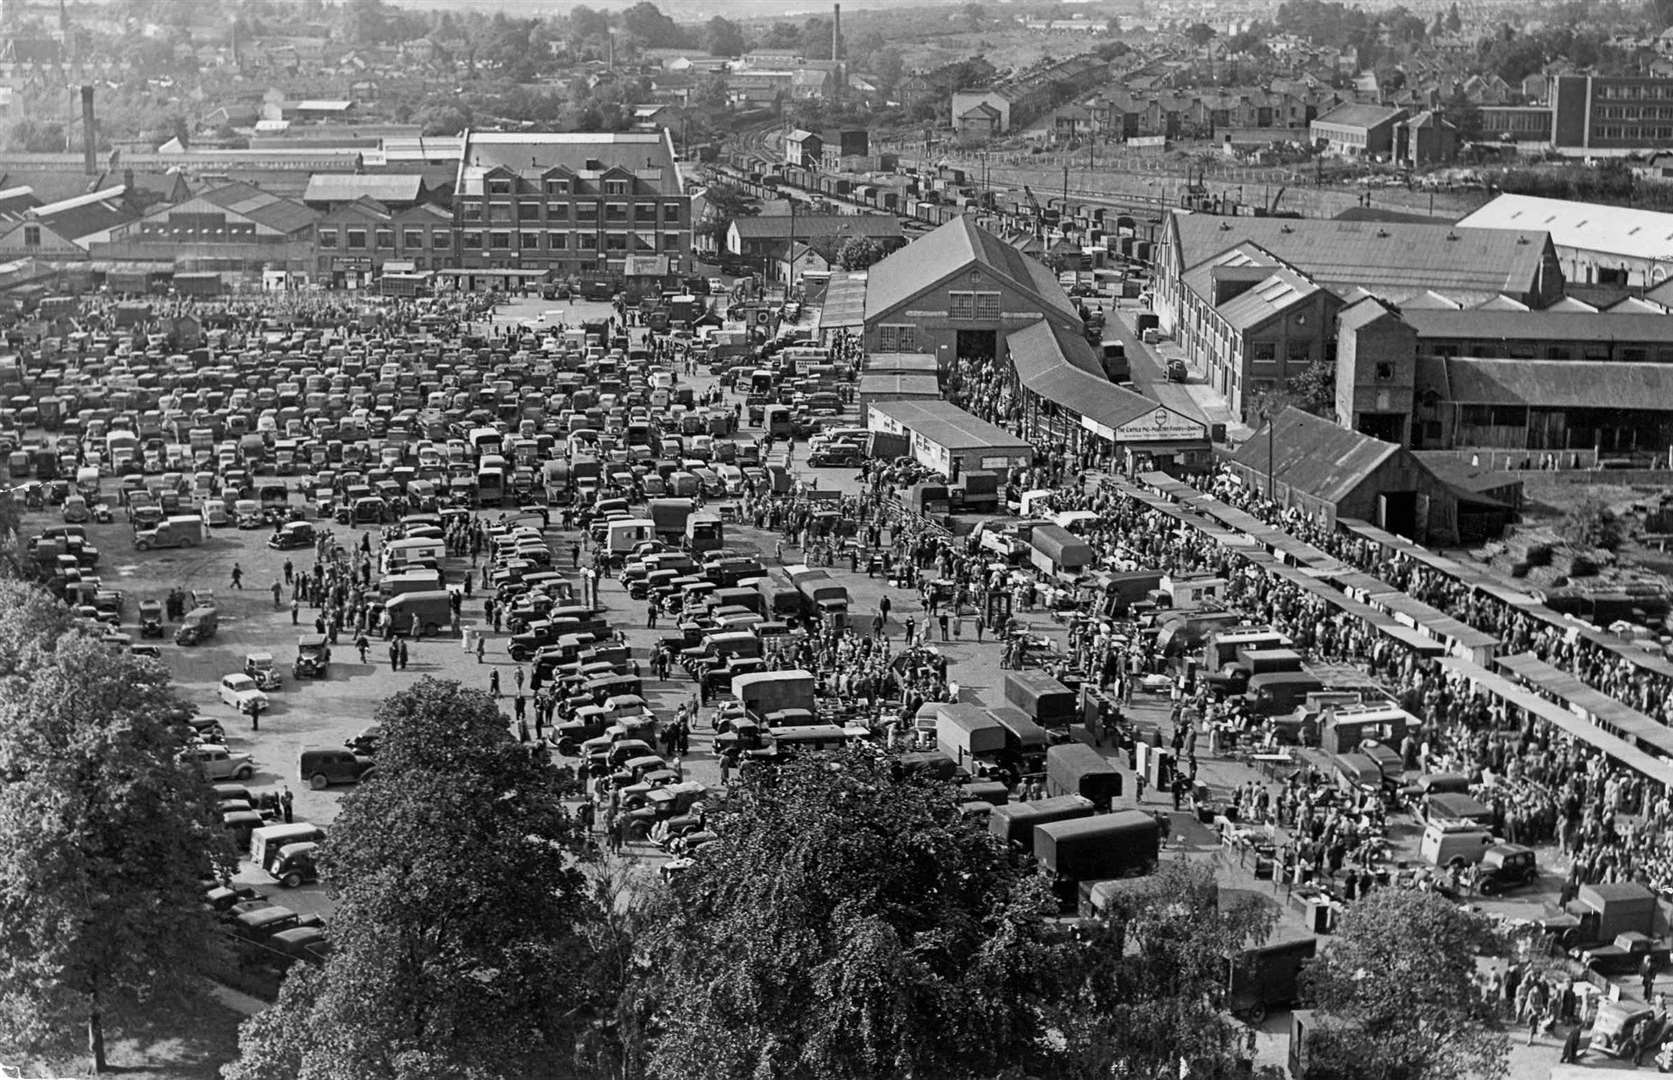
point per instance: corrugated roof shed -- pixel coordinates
(1540, 325)
(950, 249)
(904, 363)
(1062, 368)
(845, 301)
(904, 384)
(1313, 455)
(1269, 298)
(947, 425)
(1612, 230)
(782, 226)
(1343, 254)
(264, 208)
(386, 188)
(1560, 384)
(1354, 115)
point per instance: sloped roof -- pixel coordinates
(1613, 230)
(947, 425)
(1342, 254)
(779, 226)
(1313, 455)
(1273, 295)
(261, 207)
(648, 155)
(950, 249)
(1060, 366)
(1559, 383)
(1352, 115)
(386, 188)
(1541, 325)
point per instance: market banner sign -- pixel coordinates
(1160, 425)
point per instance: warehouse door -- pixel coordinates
(1397, 513)
(977, 345)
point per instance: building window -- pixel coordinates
(1300, 352)
(385, 238)
(530, 241)
(472, 241)
(528, 211)
(473, 211)
(671, 242)
(961, 305)
(558, 211)
(499, 187)
(987, 305)
(560, 241)
(32, 236)
(644, 211)
(412, 238)
(902, 338)
(357, 240)
(615, 212)
(499, 212)
(440, 240)
(586, 241)
(586, 213)
(327, 238)
(557, 187)
(615, 187)
(615, 241)
(499, 241)
(1385, 371)
(1265, 352)
(671, 212)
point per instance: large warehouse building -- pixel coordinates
(949, 440)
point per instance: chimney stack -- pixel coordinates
(836, 51)
(89, 134)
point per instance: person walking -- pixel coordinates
(650, 616)
(403, 651)
(517, 677)
(481, 646)
(494, 682)
(295, 611)
(278, 591)
(942, 619)
(361, 646)
(394, 656)
(237, 576)
(285, 801)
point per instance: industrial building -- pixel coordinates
(957, 292)
(1308, 463)
(949, 440)
(1596, 244)
(1584, 386)
(571, 204)
(880, 386)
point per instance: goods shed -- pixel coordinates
(1307, 462)
(949, 440)
(893, 386)
(902, 364)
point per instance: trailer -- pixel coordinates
(1077, 769)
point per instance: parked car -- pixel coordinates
(219, 763)
(260, 666)
(322, 768)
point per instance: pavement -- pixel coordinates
(1195, 397)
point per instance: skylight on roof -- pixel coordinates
(1276, 291)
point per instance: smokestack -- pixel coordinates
(89, 134)
(611, 63)
(836, 31)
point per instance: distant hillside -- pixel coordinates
(685, 11)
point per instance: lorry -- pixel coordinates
(1097, 848)
(433, 611)
(1014, 823)
(823, 595)
(763, 692)
(1041, 698)
(1056, 551)
(669, 516)
(1077, 769)
(1025, 741)
(182, 530)
(967, 733)
(624, 534)
(1260, 980)
(779, 596)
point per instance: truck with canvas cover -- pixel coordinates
(1041, 698)
(669, 516)
(763, 692)
(1056, 551)
(1014, 822)
(1077, 769)
(1097, 848)
(967, 733)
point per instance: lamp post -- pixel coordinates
(1270, 464)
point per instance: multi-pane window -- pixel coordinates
(412, 238)
(327, 237)
(897, 338)
(385, 238)
(357, 239)
(499, 241)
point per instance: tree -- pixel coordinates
(442, 119)
(1396, 985)
(1591, 524)
(11, 534)
(458, 940)
(858, 252)
(1454, 24)
(849, 924)
(723, 37)
(652, 26)
(1200, 34)
(105, 837)
(1147, 1001)
(722, 203)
